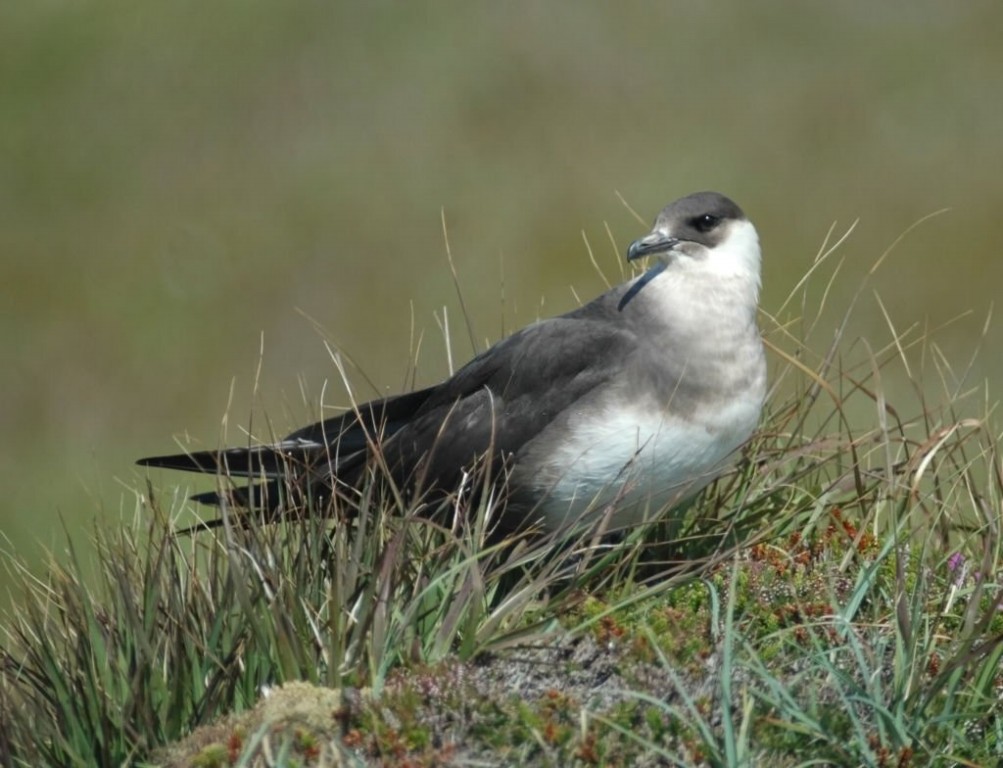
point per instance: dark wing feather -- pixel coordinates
(350, 432)
(504, 397)
(495, 404)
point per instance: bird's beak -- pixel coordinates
(656, 242)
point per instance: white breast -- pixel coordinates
(652, 437)
(640, 463)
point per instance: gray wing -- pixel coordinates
(492, 406)
(506, 396)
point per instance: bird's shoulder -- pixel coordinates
(546, 353)
(557, 352)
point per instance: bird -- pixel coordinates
(618, 410)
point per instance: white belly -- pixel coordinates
(640, 464)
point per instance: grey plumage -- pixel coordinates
(639, 397)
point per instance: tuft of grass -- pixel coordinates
(834, 600)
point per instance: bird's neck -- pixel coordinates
(692, 302)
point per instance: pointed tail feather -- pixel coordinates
(263, 460)
(260, 503)
(261, 496)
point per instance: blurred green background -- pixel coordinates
(186, 184)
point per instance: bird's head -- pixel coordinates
(705, 234)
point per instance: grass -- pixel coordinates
(833, 601)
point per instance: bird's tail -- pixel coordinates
(267, 461)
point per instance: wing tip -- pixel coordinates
(185, 462)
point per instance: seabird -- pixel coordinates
(631, 403)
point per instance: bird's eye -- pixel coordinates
(705, 222)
